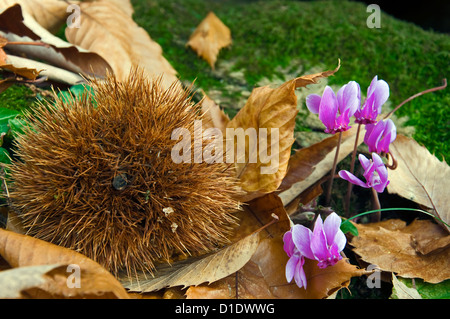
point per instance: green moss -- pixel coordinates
(272, 34)
(17, 97)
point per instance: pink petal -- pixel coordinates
(328, 108)
(291, 266)
(300, 276)
(352, 178)
(365, 162)
(390, 127)
(318, 241)
(288, 245)
(381, 93)
(372, 86)
(301, 237)
(313, 103)
(331, 227)
(349, 98)
(375, 136)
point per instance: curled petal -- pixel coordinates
(352, 178)
(365, 162)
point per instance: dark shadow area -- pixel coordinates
(434, 14)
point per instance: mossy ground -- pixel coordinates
(294, 36)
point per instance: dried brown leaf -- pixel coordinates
(50, 14)
(209, 37)
(269, 110)
(22, 251)
(391, 248)
(18, 26)
(420, 177)
(194, 271)
(110, 32)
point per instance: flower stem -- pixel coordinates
(416, 95)
(376, 205)
(352, 169)
(333, 171)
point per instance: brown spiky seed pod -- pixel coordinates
(95, 174)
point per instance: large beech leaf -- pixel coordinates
(209, 37)
(194, 271)
(267, 110)
(395, 247)
(22, 251)
(110, 32)
(420, 177)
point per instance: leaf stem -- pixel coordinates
(333, 171)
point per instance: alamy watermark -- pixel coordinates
(374, 279)
(374, 19)
(238, 146)
(74, 19)
(74, 279)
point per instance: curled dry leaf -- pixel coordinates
(270, 114)
(401, 291)
(209, 37)
(51, 72)
(18, 26)
(390, 246)
(420, 177)
(15, 282)
(110, 32)
(50, 14)
(22, 251)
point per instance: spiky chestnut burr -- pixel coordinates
(95, 174)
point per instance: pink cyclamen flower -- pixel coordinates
(323, 244)
(294, 266)
(375, 173)
(377, 95)
(379, 136)
(334, 110)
